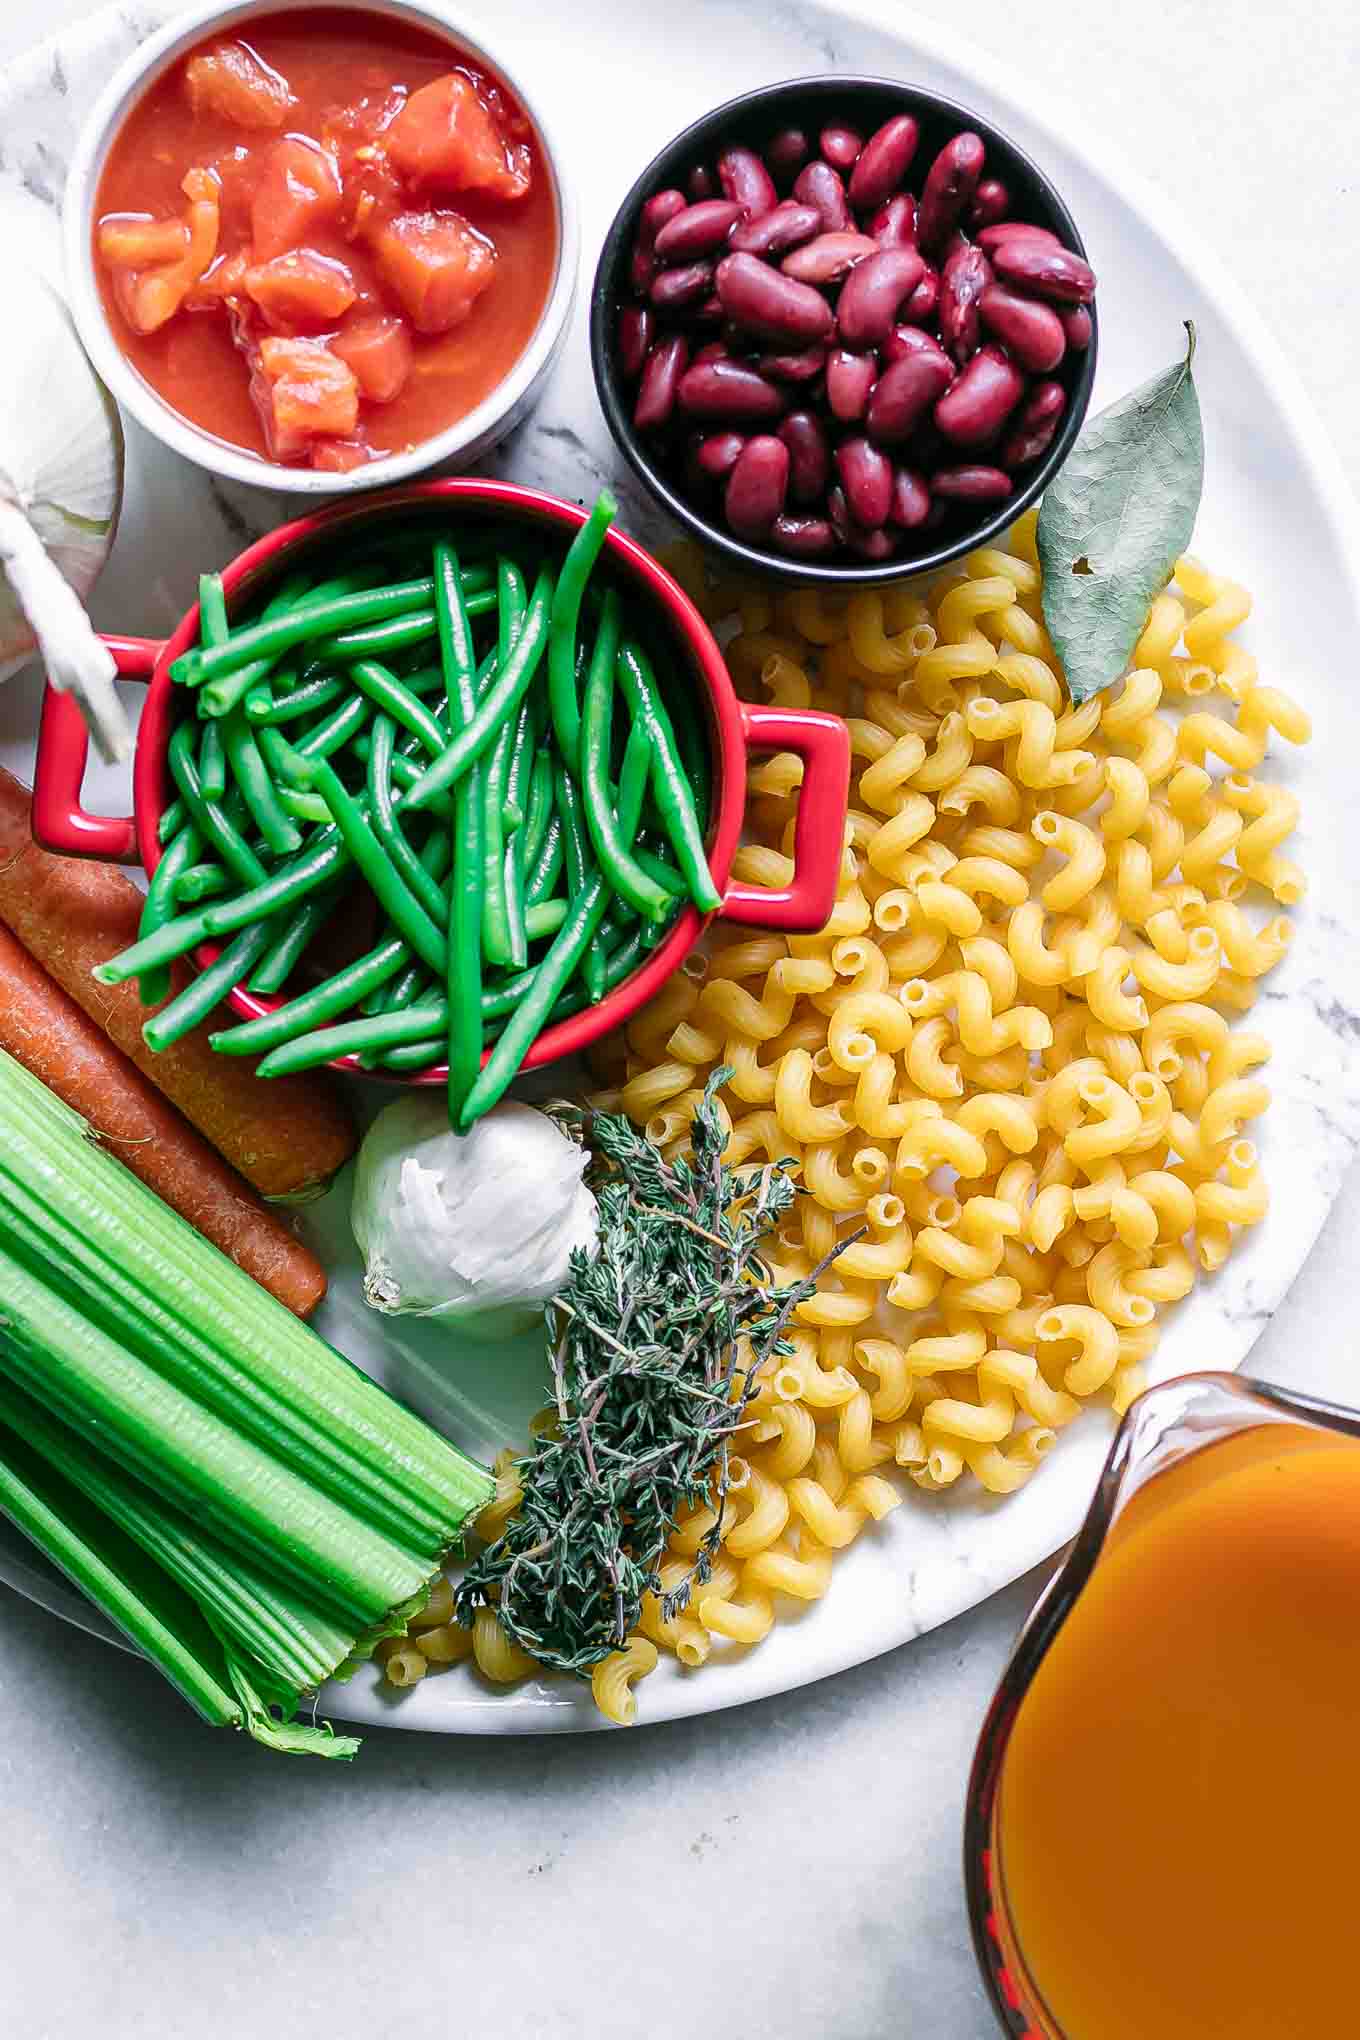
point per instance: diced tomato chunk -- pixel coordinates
(303, 393)
(236, 85)
(340, 456)
(129, 242)
(149, 298)
(226, 278)
(298, 192)
(437, 264)
(378, 349)
(301, 290)
(444, 139)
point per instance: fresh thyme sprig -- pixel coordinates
(656, 1342)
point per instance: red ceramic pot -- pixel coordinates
(735, 728)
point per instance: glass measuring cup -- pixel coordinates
(1165, 1428)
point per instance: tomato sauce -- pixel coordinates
(325, 239)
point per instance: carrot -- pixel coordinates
(47, 1032)
(287, 1137)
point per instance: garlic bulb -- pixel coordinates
(61, 478)
(476, 1227)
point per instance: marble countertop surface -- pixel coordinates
(781, 1872)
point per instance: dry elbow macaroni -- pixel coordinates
(1008, 1056)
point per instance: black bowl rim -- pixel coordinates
(603, 298)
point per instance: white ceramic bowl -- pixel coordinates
(453, 449)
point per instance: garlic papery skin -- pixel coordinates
(476, 1228)
(61, 479)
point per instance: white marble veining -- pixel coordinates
(835, 1809)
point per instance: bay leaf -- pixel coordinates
(1116, 519)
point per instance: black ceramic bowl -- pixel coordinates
(754, 119)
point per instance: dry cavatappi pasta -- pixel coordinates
(1008, 1057)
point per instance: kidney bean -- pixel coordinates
(991, 203)
(797, 368)
(971, 484)
(716, 454)
(818, 184)
(963, 280)
(757, 486)
(906, 391)
(659, 208)
(636, 331)
(745, 179)
(1076, 326)
(989, 239)
(674, 288)
(787, 226)
(910, 504)
(642, 267)
(769, 304)
(712, 350)
(828, 258)
(906, 341)
(787, 154)
(1035, 426)
(919, 309)
(701, 183)
(866, 475)
(696, 230)
(974, 409)
(809, 456)
(1045, 272)
(1031, 333)
(840, 147)
(873, 291)
(950, 184)
(884, 161)
(806, 538)
(849, 379)
(724, 389)
(894, 224)
(661, 375)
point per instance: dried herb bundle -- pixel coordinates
(652, 1373)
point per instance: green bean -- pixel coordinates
(395, 699)
(279, 962)
(388, 829)
(205, 991)
(540, 809)
(406, 772)
(212, 762)
(497, 942)
(693, 749)
(351, 1038)
(674, 801)
(313, 867)
(303, 807)
(201, 882)
(279, 830)
(311, 694)
(319, 1003)
(507, 686)
(664, 876)
(160, 902)
(582, 554)
(550, 979)
(622, 870)
(171, 822)
(412, 1055)
(337, 729)
(162, 945)
(581, 866)
(210, 815)
(462, 1017)
(398, 991)
(383, 640)
(393, 894)
(505, 906)
(314, 616)
(548, 865)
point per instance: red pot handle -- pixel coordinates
(59, 820)
(823, 743)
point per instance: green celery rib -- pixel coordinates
(110, 1571)
(266, 1373)
(252, 1502)
(291, 1646)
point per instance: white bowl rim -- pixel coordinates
(470, 436)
